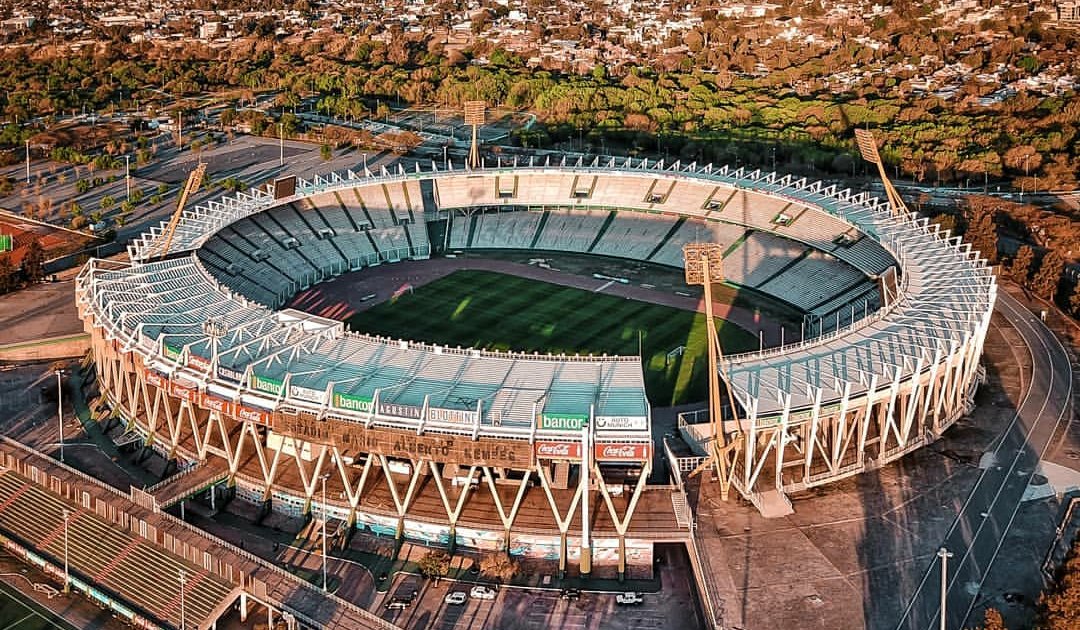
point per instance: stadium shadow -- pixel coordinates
(911, 505)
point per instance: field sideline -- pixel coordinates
(496, 311)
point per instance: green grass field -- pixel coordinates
(482, 309)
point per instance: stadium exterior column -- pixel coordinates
(243, 606)
(585, 561)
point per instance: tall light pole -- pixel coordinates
(324, 583)
(944, 554)
(60, 410)
(281, 144)
(183, 581)
(127, 175)
(67, 575)
(28, 161)
(365, 162)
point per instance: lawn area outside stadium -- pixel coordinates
(494, 311)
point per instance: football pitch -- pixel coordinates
(19, 613)
(494, 311)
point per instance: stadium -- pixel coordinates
(548, 455)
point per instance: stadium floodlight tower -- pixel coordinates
(474, 117)
(888, 284)
(868, 148)
(704, 266)
(194, 180)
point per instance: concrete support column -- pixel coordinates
(243, 607)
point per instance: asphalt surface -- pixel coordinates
(977, 533)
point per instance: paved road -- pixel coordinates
(986, 516)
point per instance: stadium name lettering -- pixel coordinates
(423, 448)
(229, 374)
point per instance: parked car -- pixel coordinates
(482, 592)
(570, 594)
(398, 603)
(455, 598)
(629, 598)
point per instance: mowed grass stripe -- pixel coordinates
(494, 311)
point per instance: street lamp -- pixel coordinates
(324, 478)
(183, 581)
(67, 575)
(944, 554)
(281, 144)
(60, 411)
(127, 175)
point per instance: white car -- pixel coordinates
(456, 598)
(629, 598)
(482, 592)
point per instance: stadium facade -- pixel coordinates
(543, 455)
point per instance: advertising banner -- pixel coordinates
(184, 391)
(634, 452)
(213, 403)
(155, 379)
(563, 421)
(622, 423)
(266, 384)
(250, 414)
(400, 411)
(171, 352)
(352, 403)
(196, 362)
(229, 374)
(316, 396)
(558, 450)
(453, 416)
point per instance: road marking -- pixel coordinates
(603, 286)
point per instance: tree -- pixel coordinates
(980, 214)
(1021, 264)
(326, 152)
(7, 274)
(992, 620)
(499, 566)
(107, 202)
(34, 262)
(434, 564)
(1046, 280)
(1074, 301)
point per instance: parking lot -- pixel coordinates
(673, 608)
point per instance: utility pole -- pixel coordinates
(67, 574)
(281, 144)
(28, 161)
(944, 554)
(60, 411)
(127, 175)
(183, 581)
(324, 582)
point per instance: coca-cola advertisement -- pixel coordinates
(558, 450)
(622, 452)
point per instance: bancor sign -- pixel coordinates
(563, 421)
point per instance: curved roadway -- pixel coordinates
(980, 528)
